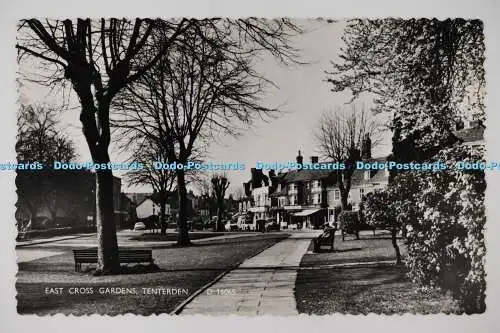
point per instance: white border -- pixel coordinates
(12, 10)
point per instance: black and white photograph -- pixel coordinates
(251, 166)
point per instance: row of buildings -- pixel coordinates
(293, 198)
(304, 198)
(61, 199)
(309, 198)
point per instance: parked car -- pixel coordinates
(272, 225)
(231, 226)
(139, 226)
(244, 225)
(197, 224)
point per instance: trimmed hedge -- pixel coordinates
(349, 222)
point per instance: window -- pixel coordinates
(361, 193)
(336, 195)
(367, 175)
(316, 199)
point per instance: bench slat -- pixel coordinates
(89, 256)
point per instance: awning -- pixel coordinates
(259, 209)
(307, 212)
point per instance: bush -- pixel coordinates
(379, 209)
(349, 222)
(446, 218)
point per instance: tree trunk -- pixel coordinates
(394, 234)
(183, 236)
(163, 220)
(344, 200)
(107, 245)
(220, 211)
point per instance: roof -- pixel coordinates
(304, 175)
(137, 198)
(470, 134)
(376, 176)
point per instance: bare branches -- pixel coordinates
(341, 132)
(201, 88)
(39, 139)
(346, 137)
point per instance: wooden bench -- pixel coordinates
(325, 239)
(126, 256)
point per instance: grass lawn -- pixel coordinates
(185, 269)
(368, 248)
(172, 236)
(363, 288)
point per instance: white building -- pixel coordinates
(148, 207)
(262, 202)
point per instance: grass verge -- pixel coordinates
(43, 285)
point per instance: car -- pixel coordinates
(246, 225)
(196, 224)
(231, 226)
(208, 225)
(139, 226)
(272, 225)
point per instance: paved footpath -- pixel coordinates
(261, 285)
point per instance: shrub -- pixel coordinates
(446, 218)
(349, 222)
(379, 209)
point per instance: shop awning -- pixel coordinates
(307, 212)
(259, 209)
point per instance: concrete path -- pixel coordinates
(261, 285)
(24, 255)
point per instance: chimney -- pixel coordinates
(299, 158)
(366, 148)
(246, 187)
(314, 159)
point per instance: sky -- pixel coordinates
(302, 96)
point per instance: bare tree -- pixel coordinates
(238, 194)
(39, 137)
(220, 184)
(160, 179)
(202, 88)
(341, 136)
(39, 140)
(99, 58)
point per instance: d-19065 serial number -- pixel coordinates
(221, 291)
